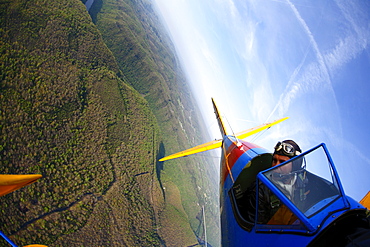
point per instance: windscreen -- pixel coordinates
(307, 181)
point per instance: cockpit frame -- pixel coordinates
(311, 223)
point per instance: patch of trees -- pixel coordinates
(66, 114)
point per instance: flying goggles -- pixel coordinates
(286, 149)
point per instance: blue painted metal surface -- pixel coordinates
(7, 239)
(306, 208)
(274, 235)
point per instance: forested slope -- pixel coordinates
(66, 113)
(134, 34)
(91, 108)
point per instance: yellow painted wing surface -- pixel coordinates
(218, 143)
(201, 148)
(254, 130)
(9, 183)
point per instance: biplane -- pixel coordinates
(323, 215)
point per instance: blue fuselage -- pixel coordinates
(237, 157)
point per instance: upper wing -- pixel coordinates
(218, 143)
(201, 148)
(254, 130)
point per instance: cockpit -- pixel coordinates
(295, 196)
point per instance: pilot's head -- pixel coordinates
(284, 151)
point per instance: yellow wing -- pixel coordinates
(218, 143)
(201, 148)
(254, 130)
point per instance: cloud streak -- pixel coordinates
(267, 59)
(313, 76)
(352, 44)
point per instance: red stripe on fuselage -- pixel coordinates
(232, 154)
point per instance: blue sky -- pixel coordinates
(263, 60)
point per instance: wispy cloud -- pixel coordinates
(355, 41)
(244, 49)
(313, 76)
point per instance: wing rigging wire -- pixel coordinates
(257, 136)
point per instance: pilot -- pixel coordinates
(270, 210)
(284, 177)
(288, 180)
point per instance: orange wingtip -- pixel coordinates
(10, 183)
(35, 245)
(366, 201)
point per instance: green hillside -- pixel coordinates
(134, 34)
(91, 103)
